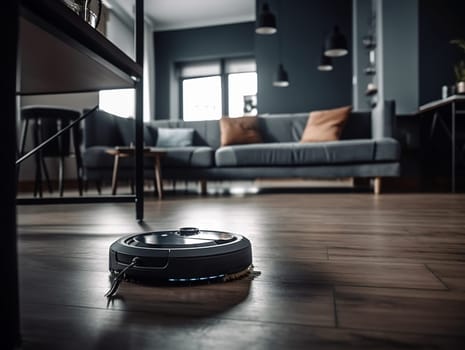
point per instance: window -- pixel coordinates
(119, 102)
(211, 89)
(242, 92)
(201, 98)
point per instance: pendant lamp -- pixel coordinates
(336, 44)
(326, 63)
(266, 21)
(281, 78)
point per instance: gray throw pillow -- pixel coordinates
(168, 137)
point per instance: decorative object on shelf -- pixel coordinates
(371, 89)
(370, 70)
(281, 78)
(461, 87)
(84, 10)
(459, 68)
(369, 43)
(266, 21)
(444, 91)
(336, 44)
(326, 63)
(369, 40)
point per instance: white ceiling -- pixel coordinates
(181, 14)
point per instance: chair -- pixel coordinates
(45, 121)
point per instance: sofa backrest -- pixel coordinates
(273, 127)
(106, 129)
(103, 128)
(289, 127)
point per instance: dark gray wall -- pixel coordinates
(302, 27)
(193, 44)
(439, 22)
(397, 53)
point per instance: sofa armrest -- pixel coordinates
(383, 118)
(100, 129)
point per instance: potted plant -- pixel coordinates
(459, 68)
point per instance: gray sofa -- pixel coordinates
(281, 155)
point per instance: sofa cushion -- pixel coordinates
(195, 157)
(168, 137)
(298, 154)
(325, 125)
(126, 129)
(242, 130)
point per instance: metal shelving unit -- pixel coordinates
(49, 48)
(60, 53)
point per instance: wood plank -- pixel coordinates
(415, 311)
(451, 274)
(420, 253)
(394, 275)
(114, 329)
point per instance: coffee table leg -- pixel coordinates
(114, 180)
(158, 177)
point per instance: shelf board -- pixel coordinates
(60, 53)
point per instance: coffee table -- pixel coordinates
(127, 151)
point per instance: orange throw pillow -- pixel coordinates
(240, 130)
(325, 125)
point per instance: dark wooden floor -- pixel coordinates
(339, 271)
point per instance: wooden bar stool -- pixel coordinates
(45, 121)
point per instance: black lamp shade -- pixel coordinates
(325, 64)
(266, 21)
(336, 44)
(281, 78)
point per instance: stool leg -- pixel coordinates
(61, 160)
(38, 178)
(77, 153)
(61, 171)
(377, 185)
(158, 177)
(42, 162)
(114, 179)
(37, 157)
(22, 145)
(47, 177)
(203, 187)
(98, 184)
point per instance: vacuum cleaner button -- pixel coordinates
(188, 231)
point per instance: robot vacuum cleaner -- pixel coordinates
(185, 255)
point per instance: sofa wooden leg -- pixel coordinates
(203, 187)
(377, 185)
